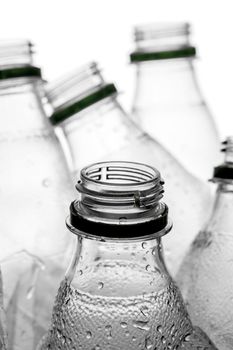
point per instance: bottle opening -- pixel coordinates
(16, 59)
(120, 173)
(119, 199)
(77, 91)
(162, 41)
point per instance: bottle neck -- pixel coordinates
(122, 258)
(21, 103)
(173, 81)
(221, 219)
(104, 126)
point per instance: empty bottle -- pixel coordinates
(35, 188)
(117, 293)
(3, 331)
(167, 102)
(206, 275)
(96, 128)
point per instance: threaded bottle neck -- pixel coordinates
(76, 91)
(162, 41)
(119, 199)
(16, 59)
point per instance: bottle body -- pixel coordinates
(168, 103)
(205, 276)
(117, 293)
(3, 330)
(113, 136)
(35, 190)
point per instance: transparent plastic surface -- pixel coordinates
(168, 103)
(117, 293)
(35, 191)
(103, 131)
(3, 330)
(205, 277)
(113, 136)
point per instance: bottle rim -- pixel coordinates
(76, 91)
(119, 199)
(161, 41)
(161, 30)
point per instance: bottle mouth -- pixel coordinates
(162, 41)
(119, 199)
(161, 30)
(16, 59)
(76, 91)
(224, 172)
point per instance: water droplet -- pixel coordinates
(187, 338)
(154, 251)
(59, 334)
(142, 325)
(124, 324)
(133, 338)
(127, 333)
(148, 268)
(144, 244)
(159, 329)
(143, 310)
(148, 343)
(46, 182)
(80, 272)
(88, 335)
(108, 327)
(163, 340)
(100, 285)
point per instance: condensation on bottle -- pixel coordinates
(117, 293)
(206, 274)
(35, 187)
(95, 127)
(168, 102)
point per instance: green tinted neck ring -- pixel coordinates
(62, 114)
(20, 72)
(139, 56)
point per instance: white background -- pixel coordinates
(70, 33)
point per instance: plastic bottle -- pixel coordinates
(35, 187)
(95, 127)
(168, 102)
(206, 274)
(117, 293)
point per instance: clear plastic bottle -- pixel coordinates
(35, 187)
(3, 330)
(117, 293)
(167, 102)
(96, 128)
(206, 275)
